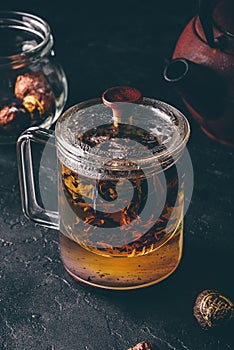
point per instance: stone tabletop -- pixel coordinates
(102, 44)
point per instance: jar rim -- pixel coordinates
(30, 23)
(164, 156)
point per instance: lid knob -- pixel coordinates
(121, 94)
(113, 97)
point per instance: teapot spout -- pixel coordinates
(176, 70)
(201, 88)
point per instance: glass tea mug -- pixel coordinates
(120, 188)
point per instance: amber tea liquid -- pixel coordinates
(105, 248)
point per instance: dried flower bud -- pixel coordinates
(38, 104)
(141, 346)
(28, 82)
(36, 94)
(213, 309)
(13, 117)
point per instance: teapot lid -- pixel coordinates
(215, 24)
(223, 16)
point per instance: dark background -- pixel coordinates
(102, 44)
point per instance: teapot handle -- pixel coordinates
(206, 8)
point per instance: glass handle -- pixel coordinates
(31, 209)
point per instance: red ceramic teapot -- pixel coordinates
(202, 69)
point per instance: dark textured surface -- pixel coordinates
(41, 307)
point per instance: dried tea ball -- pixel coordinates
(38, 104)
(212, 309)
(13, 117)
(141, 346)
(23, 84)
(36, 94)
(30, 81)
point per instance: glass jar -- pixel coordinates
(33, 86)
